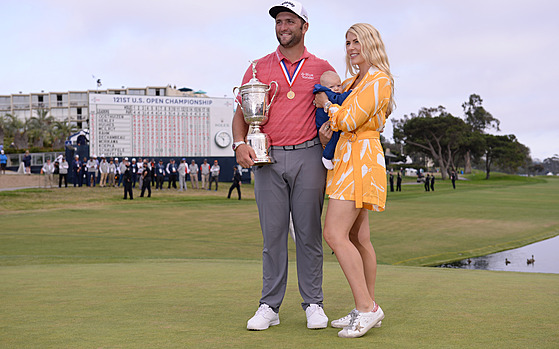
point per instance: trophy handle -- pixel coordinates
(275, 92)
(235, 98)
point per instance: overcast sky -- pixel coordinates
(440, 51)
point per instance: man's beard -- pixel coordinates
(295, 39)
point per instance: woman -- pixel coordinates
(358, 181)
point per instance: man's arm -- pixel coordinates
(244, 153)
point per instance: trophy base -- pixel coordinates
(261, 144)
(263, 161)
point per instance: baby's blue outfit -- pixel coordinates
(322, 117)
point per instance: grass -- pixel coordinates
(82, 268)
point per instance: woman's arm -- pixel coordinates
(364, 104)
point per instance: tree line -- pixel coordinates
(450, 140)
(38, 131)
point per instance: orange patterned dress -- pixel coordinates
(359, 172)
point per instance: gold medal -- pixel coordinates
(290, 94)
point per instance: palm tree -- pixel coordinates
(15, 130)
(61, 131)
(40, 128)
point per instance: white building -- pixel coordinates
(73, 106)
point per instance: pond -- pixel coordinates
(544, 253)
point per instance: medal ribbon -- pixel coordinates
(291, 80)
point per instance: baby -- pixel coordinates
(330, 83)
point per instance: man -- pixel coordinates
(295, 182)
(48, 171)
(183, 170)
(91, 170)
(27, 162)
(84, 173)
(193, 170)
(205, 169)
(159, 174)
(172, 172)
(134, 172)
(399, 182)
(146, 182)
(215, 175)
(63, 172)
(432, 182)
(104, 171)
(121, 169)
(127, 181)
(236, 182)
(76, 170)
(427, 182)
(3, 161)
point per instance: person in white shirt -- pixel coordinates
(112, 173)
(205, 169)
(103, 170)
(48, 171)
(183, 170)
(121, 169)
(63, 167)
(193, 169)
(215, 175)
(91, 170)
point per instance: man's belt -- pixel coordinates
(303, 145)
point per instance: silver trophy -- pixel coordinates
(254, 98)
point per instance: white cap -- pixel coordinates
(116, 159)
(291, 6)
(133, 159)
(2, 151)
(126, 159)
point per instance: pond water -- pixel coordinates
(545, 254)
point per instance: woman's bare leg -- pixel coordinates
(341, 217)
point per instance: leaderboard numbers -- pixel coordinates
(150, 130)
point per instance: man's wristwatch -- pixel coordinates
(326, 106)
(236, 144)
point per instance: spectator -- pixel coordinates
(205, 169)
(111, 174)
(76, 170)
(63, 167)
(91, 170)
(121, 169)
(48, 171)
(236, 182)
(27, 162)
(193, 170)
(172, 172)
(215, 175)
(133, 172)
(183, 170)
(104, 171)
(3, 161)
(159, 175)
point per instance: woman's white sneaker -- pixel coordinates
(263, 318)
(344, 321)
(360, 323)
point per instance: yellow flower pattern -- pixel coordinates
(359, 172)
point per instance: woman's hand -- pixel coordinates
(325, 133)
(320, 99)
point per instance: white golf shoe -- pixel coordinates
(263, 318)
(360, 322)
(344, 321)
(316, 318)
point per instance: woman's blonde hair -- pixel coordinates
(372, 49)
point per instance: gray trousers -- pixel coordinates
(295, 183)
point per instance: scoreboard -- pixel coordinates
(159, 126)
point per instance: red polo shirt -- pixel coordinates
(290, 121)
